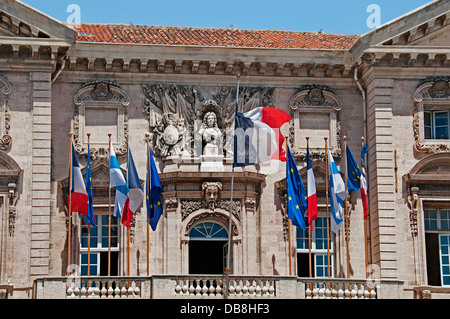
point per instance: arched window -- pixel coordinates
(208, 242)
(208, 231)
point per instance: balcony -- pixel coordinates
(214, 287)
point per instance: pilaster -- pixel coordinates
(381, 177)
(41, 168)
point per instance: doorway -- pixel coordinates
(207, 253)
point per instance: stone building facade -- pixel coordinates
(158, 85)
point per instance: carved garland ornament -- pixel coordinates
(98, 94)
(435, 92)
(5, 117)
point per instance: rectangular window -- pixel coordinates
(99, 246)
(444, 247)
(437, 240)
(319, 252)
(436, 125)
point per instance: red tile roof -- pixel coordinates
(139, 34)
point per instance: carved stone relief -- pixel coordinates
(413, 204)
(315, 113)
(433, 92)
(211, 193)
(106, 98)
(5, 117)
(189, 107)
(190, 206)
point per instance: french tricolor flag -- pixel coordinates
(135, 195)
(364, 150)
(312, 194)
(117, 180)
(257, 136)
(78, 197)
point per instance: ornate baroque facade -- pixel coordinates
(175, 89)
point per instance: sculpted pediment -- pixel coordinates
(438, 38)
(20, 20)
(425, 27)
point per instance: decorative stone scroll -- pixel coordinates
(432, 92)
(108, 99)
(5, 117)
(315, 114)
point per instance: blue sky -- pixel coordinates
(331, 16)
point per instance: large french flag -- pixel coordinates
(117, 180)
(312, 193)
(257, 136)
(135, 195)
(364, 150)
(78, 196)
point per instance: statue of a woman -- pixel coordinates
(211, 134)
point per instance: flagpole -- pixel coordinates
(109, 210)
(148, 215)
(69, 243)
(328, 209)
(365, 219)
(128, 228)
(89, 224)
(230, 225)
(309, 228)
(289, 228)
(346, 209)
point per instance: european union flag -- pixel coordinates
(90, 207)
(297, 198)
(353, 173)
(154, 190)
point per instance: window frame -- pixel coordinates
(441, 232)
(97, 250)
(426, 99)
(433, 112)
(318, 253)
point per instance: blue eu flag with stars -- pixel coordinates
(353, 173)
(297, 197)
(153, 190)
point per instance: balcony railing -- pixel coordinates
(214, 287)
(340, 289)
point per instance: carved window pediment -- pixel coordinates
(101, 107)
(315, 114)
(433, 94)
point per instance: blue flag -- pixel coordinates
(90, 208)
(353, 173)
(297, 198)
(153, 190)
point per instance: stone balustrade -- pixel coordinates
(339, 289)
(239, 287)
(104, 288)
(214, 287)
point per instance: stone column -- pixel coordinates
(41, 169)
(381, 177)
(249, 228)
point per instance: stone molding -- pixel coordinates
(100, 94)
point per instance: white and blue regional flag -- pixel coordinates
(337, 194)
(118, 181)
